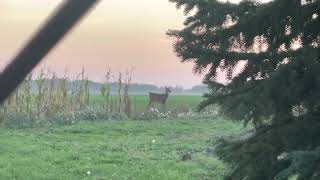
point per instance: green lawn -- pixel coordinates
(115, 150)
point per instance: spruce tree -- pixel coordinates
(277, 90)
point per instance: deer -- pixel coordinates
(159, 98)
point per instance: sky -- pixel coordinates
(117, 34)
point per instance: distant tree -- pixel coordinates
(277, 44)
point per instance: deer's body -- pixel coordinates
(159, 98)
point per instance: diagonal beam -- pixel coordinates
(64, 18)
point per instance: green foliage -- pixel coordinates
(276, 45)
(265, 143)
(302, 163)
(152, 114)
(48, 99)
(18, 121)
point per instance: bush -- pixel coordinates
(152, 114)
(18, 121)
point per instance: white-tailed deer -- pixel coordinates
(159, 98)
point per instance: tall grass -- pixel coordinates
(105, 91)
(48, 99)
(126, 97)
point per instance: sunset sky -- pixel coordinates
(116, 34)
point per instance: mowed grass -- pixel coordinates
(140, 102)
(116, 150)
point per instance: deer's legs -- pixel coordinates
(149, 105)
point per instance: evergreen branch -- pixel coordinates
(211, 99)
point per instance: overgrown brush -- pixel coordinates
(105, 91)
(126, 97)
(46, 99)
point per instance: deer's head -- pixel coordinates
(168, 90)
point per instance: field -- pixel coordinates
(105, 148)
(116, 150)
(140, 102)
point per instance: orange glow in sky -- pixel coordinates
(116, 34)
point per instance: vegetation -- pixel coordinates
(57, 132)
(116, 150)
(45, 100)
(176, 103)
(270, 55)
(135, 88)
